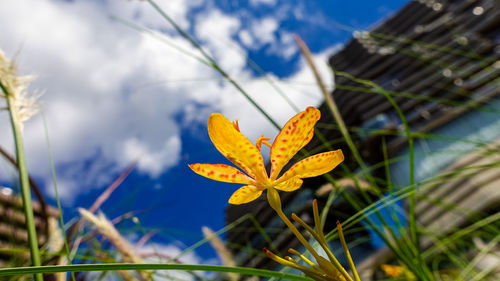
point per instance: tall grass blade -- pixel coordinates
(56, 192)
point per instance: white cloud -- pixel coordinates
(216, 30)
(134, 149)
(286, 47)
(264, 30)
(158, 253)
(110, 93)
(138, 11)
(263, 2)
(246, 38)
(260, 32)
(88, 65)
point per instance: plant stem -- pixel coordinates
(24, 181)
(275, 202)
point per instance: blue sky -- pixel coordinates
(111, 95)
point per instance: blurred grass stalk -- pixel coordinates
(224, 254)
(20, 107)
(332, 106)
(107, 229)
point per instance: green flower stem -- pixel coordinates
(322, 243)
(24, 181)
(275, 202)
(320, 260)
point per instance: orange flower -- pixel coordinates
(296, 133)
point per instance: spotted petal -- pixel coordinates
(245, 194)
(221, 172)
(235, 146)
(314, 165)
(290, 184)
(296, 133)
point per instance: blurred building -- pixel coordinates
(13, 235)
(440, 61)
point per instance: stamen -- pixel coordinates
(262, 140)
(236, 125)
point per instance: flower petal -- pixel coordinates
(296, 133)
(289, 185)
(314, 165)
(221, 172)
(245, 194)
(236, 147)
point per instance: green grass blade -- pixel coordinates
(130, 266)
(54, 180)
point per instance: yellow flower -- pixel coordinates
(397, 271)
(296, 133)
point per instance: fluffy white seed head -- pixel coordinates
(14, 88)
